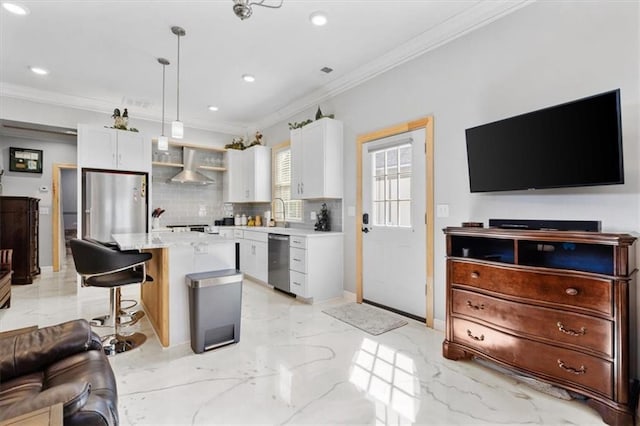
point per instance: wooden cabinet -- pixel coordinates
(254, 254)
(316, 160)
(248, 175)
(19, 225)
(112, 149)
(553, 305)
(316, 266)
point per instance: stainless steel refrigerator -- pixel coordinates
(113, 203)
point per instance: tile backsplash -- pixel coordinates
(184, 203)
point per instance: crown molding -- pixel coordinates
(101, 106)
(469, 20)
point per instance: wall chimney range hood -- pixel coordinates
(190, 173)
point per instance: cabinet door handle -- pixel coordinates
(475, 274)
(581, 370)
(478, 339)
(119, 159)
(296, 283)
(302, 186)
(571, 291)
(476, 307)
(570, 332)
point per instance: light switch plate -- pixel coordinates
(313, 215)
(442, 210)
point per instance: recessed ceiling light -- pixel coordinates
(39, 71)
(248, 78)
(16, 9)
(213, 108)
(318, 18)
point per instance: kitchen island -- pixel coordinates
(175, 254)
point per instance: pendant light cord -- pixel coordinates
(178, 83)
(164, 67)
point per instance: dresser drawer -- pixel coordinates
(581, 331)
(589, 293)
(297, 259)
(553, 362)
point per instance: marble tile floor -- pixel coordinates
(297, 365)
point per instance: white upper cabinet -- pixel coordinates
(248, 175)
(103, 148)
(316, 160)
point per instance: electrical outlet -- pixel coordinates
(442, 210)
(313, 215)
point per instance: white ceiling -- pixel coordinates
(102, 54)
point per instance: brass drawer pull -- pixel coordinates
(476, 307)
(570, 332)
(581, 370)
(571, 291)
(475, 274)
(478, 339)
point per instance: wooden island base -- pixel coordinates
(552, 305)
(155, 295)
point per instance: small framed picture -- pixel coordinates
(25, 160)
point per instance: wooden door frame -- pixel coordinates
(422, 123)
(55, 206)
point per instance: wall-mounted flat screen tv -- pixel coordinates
(578, 143)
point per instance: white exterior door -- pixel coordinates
(394, 229)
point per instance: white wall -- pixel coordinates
(544, 54)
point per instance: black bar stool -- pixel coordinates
(100, 266)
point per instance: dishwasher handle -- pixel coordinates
(279, 237)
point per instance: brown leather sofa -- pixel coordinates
(64, 364)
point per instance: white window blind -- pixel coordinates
(282, 188)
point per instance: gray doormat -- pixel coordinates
(372, 320)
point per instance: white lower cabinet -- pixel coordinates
(316, 267)
(253, 255)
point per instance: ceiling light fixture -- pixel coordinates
(318, 18)
(163, 141)
(242, 8)
(39, 71)
(177, 128)
(248, 78)
(16, 9)
(213, 108)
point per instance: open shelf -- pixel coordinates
(213, 168)
(162, 164)
(596, 258)
(191, 145)
(494, 249)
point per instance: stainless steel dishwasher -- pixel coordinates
(279, 262)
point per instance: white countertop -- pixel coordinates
(285, 231)
(166, 239)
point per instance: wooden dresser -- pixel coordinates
(553, 305)
(19, 231)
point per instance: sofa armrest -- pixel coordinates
(28, 352)
(73, 396)
(17, 331)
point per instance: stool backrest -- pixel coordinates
(91, 258)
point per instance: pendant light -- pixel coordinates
(177, 128)
(163, 141)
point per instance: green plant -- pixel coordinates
(296, 125)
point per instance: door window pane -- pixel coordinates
(391, 184)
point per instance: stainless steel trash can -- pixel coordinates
(215, 300)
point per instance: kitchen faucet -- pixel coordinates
(284, 215)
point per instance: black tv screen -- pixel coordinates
(578, 143)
